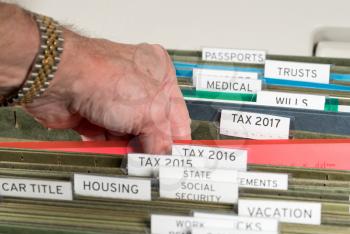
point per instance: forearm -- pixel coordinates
(19, 43)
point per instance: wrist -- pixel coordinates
(72, 68)
(18, 46)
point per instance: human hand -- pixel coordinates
(115, 89)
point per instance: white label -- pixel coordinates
(308, 72)
(231, 85)
(226, 231)
(262, 180)
(219, 186)
(242, 223)
(40, 189)
(284, 211)
(148, 165)
(112, 187)
(169, 224)
(253, 125)
(291, 100)
(343, 108)
(233, 158)
(234, 55)
(202, 174)
(212, 75)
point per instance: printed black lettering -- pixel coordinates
(280, 70)
(198, 197)
(167, 162)
(104, 186)
(100, 186)
(135, 189)
(277, 122)
(258, 226)
(300, 73)
(248, 119)
(124, 188)
(22, 187)
(240, 119)
(233, 55)
(186, 174)
(254, 60)
(148, 162)
(286, 71)
(221, 56)
(142, 160)
(14, 187)
(304, 101)
(113, 188)
(248, 226)
(210, 84)
(44, 187)
(86, 185)
(226, 56)
(280, 212)
(211, 155)
(260, 58)
(185, 151)
(308, 71)
(251, 211)
(280, 100)
(157, 160)
(96, 186)
(275, 184)
(200, 153)
(234, 117)
(258, 121)
(240, 57)
(5, 187)
(247, 57)
(293, 72)
(192, 153)
(207, 55)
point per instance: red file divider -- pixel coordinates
(309, 153)
(96, 147)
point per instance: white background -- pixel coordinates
(280, 27)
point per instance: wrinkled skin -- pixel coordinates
(102, 89)
(107, 90)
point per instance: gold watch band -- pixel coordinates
(44, 66)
